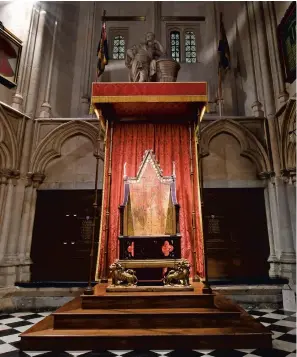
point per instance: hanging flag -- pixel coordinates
(102, 51)
(224, 61)
(224, 52)
(102, 54)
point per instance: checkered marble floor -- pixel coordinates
(282, 324)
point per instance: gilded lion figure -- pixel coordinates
(120, 276)
(180, 275)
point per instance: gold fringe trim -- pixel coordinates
(149, 99)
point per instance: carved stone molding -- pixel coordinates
(49, 148)
(267, 175)
(250, 146)
(289, 176)
(257, 109)
(35, 179)
(287, 124)
(9, 154)
(9, 174)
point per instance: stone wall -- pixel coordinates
(48, 125)
(78, 33)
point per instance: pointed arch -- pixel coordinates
(288, 136)
(8, 143)
(250, 146)
(50, 146)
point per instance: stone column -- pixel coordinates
(287, 255)
(256, 105)
(288, 249)
(7, 270)
(283, 95)
(11, 256)
(88, 54)
(256, 58)
(11, 233)
(45, 111)
(3, 192)
(17, 100)
(26, 231)
(36, 67)
(33, 93)
(270, 207)
(157, 14)
(291, 191)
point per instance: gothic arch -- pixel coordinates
(8, 143)
(288, 136)
(50, 146)
(250, 146)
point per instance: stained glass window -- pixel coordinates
(118, 51)
(190, 47)
(175, 45)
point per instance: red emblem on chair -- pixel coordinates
(130, 249)
(167, 248)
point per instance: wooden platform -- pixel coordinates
(158, 320)
(157, 289)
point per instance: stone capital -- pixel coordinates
(17, 102)
(267, 175)
(257, 109)
(45, 110)
(9, 174)
(35, 179)
(283, 96)
(289, 176)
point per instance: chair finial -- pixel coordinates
(125, 172)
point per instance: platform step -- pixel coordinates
(147, 300)
(179, 320)
(189, 338)
(144, 318)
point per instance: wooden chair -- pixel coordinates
(149, 218)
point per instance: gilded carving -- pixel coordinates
(179, 275)
(120, 276)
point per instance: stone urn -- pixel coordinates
(167, 70)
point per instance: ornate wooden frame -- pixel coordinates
(173, 239)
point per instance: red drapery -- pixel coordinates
(170, 142)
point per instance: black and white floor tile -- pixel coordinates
(282, 324)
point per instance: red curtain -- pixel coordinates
(170, 142)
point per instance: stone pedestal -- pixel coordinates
(289, 299)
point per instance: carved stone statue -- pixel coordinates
(141, 59)
(180, 275)
(120, 276)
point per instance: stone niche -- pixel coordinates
(75, 168)
(224, 161)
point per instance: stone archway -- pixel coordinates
(234, 162)
(50, 147)
(250, 146)
(288, 137)
(9, 155)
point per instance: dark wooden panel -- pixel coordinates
(138, 320)
(235, 231)
(62, 235)
(147, 301)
